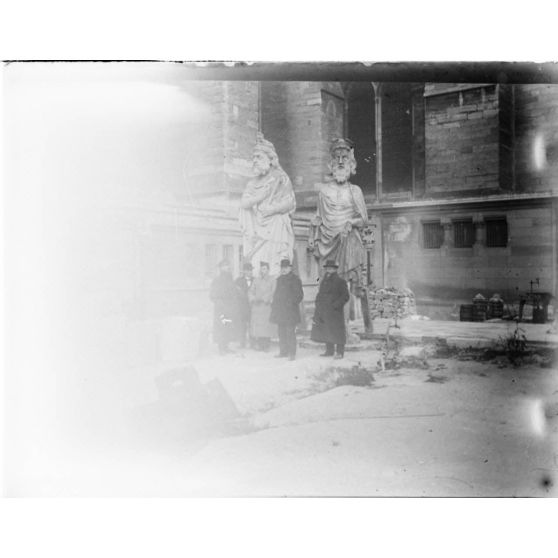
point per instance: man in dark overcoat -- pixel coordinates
(329, 320)
(285, 310)
(243, 284)
(223, 294)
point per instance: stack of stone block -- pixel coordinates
(389, 302)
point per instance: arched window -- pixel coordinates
(386, 122)
(361, 129)
(397, 138)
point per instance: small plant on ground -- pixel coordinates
(514, 344)
(390, 359)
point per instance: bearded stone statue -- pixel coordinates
(335, 232)
(266, 207)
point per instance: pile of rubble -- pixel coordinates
(389, 302)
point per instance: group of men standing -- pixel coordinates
(253, 310)
(257, 309)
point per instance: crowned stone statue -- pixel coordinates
(266, 207)
(336, 231)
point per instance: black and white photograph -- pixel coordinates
(280, 279)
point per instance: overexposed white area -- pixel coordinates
(84, 143)
(92, 152)
(221, 30)
(296, 32)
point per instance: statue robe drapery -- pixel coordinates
(268, 238)
(336, 206)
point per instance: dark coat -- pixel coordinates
(286, 299)
(224, 295)
(242, 294)
(329, 318)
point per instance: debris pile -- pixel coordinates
(389, 302)
(356, 376)
(395, 356)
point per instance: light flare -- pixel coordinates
(538, 154)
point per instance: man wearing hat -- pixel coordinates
(285, 309)
(223, 294)
(243, 284)
(260, 296)
(329, 321)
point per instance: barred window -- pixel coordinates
(496, 232)
(228, 253)
(463, 233)
(433, 234)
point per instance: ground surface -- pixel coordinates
(457, 428)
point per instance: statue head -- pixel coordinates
(342, 164)
(265, 157)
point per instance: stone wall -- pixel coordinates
(276, 120)
(536, 130)
(454, 274)
(472, 142)
(241, 126)
(478, 140)
(301, 118)
(291, 119)
(219, 151)
(205, 149)
(491, 138)
(462, 140)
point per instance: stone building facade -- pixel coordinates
(460, 179)
(133, 185)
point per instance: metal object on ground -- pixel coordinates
(466, 313)
(495, 307)
(480, 307)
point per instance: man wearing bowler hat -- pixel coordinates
(329, 320)
(285, 309)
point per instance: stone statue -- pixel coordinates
(336, 230)
(266, 207)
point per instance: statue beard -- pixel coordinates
(341, 173)
(260, 170)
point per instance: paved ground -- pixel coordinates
(477, 334)
(457, 428)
